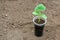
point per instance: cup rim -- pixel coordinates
(37, 23)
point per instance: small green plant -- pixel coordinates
(38, 12)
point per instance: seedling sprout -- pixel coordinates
(38, 12)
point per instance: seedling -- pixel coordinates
(38, 11)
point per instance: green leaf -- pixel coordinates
(40, 7)
(38, 11)
(35, 13)
(44, 16)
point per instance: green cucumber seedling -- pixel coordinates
(38, 11)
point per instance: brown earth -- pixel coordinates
(16, 20)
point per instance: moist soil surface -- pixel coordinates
(39, 21)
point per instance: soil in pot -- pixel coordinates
(39, 22)
(39, 29)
